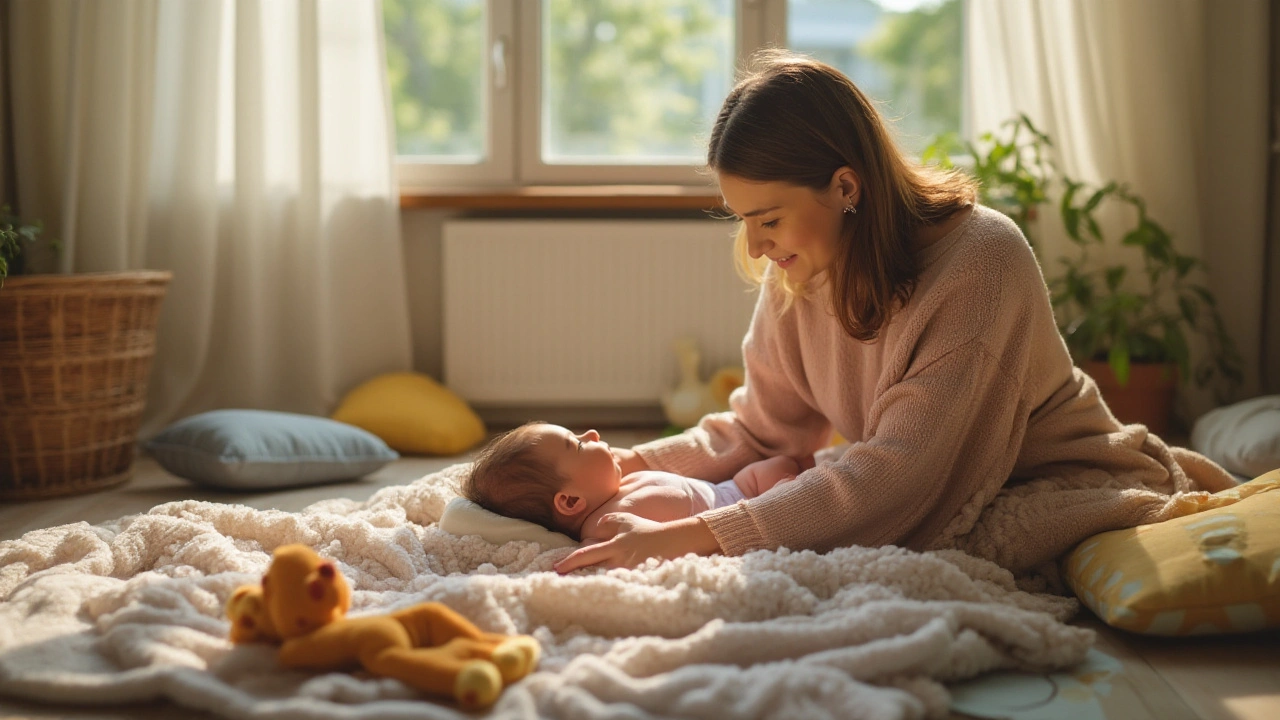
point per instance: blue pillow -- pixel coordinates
(260, 450)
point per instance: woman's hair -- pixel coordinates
(512, 480)
(796, 120)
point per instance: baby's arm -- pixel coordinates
(759, 477)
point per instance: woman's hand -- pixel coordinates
(629, 460)
(636, 539)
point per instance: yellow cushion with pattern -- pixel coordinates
(413, 414)
(1215, 571)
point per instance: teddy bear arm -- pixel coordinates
(250, 621)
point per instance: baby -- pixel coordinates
(564, 482)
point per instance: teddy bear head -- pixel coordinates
(302, 591)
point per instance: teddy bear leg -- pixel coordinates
(515, 655)
(453, 670)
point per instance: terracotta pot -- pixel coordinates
(1146, 399)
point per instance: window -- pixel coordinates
(905, 53)
(513, 92)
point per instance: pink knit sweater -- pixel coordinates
(968, 425)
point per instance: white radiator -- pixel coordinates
(584, 312)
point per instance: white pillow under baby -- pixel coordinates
(463, 517)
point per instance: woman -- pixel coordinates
(907, 318)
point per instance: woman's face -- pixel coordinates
(796, 227)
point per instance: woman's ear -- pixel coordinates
(569, 505)
(846, 186)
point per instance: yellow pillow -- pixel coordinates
(413, 414)
(1216, 571)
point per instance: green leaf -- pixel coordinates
(1082, 337)
(1145, 347)
(1175, 343)
(1071, 219)
(1127, 304)
(1190, 309)
(1205, 295)
(1094, 230)
(1118, 359)
(1098, 197)
(1115, 275)
(1184, 264)
(1082, 290)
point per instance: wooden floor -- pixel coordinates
(1216, 678)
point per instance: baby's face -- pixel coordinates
(592, 471)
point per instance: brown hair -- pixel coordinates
(510, 479)
(796, 120)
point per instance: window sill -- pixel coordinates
(563, 197)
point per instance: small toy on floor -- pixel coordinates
(303, 601)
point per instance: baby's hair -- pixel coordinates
(510, 479)
(796, 120)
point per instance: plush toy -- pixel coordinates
(685, 404)
(303, 602)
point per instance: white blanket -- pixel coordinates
(132, 611)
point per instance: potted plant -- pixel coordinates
(75, 355)
(15, 235)
(1129, 330)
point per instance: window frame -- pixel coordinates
(513, 110)
(750, 33)
(498, 98)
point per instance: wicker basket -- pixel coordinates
(75, 353)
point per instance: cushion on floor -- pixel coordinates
(1216, 571)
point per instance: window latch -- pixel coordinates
(500, 62)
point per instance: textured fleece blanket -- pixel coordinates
(131, 610)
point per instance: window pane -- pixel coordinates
(633, 82)
(436, 66)
(905, 53)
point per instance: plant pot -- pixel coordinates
(75, 356)
(1146, 399)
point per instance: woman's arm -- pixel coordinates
(772, 414)
(637, 540)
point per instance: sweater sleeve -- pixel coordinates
(946, 431)
(769, 414)
(942, 433)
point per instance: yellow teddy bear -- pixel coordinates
(303, 602)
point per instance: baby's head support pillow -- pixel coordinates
(464, 517)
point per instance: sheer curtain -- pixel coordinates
(243, 145)
(1168, 96)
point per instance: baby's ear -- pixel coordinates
(569, 505)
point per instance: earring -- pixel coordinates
(851, 208)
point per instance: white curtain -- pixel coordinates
(1168, 96)
(244, 145)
